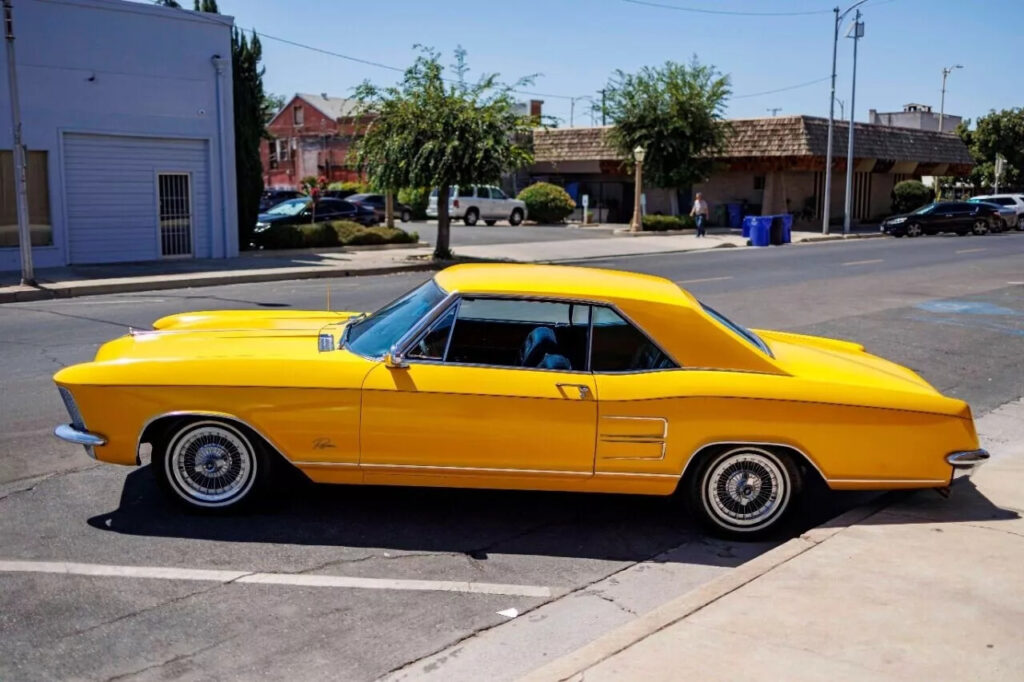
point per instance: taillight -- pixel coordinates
(455, 203)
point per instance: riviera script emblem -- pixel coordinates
(322, 443)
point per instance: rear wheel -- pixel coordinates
(980, 227)
(472, 215)
(744, 491)
(211, 465)
(1020, 222)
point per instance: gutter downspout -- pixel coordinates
(218, 65)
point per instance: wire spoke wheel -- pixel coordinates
(746, 489)
(210, 464)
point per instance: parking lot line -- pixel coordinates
(863, 262)
(970, 250)
(287, 579)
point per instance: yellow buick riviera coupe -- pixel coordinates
(517, 376)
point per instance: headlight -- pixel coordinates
(897, 221)
(262, 227)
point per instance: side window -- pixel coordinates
(434, 343)
(515, 333)
(618, 346)
(497, 193)
(466, 191)
(482, 193)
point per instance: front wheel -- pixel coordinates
(516, 217)
(744, 491)
(1020, 222)
(913, 230)
(211, 465)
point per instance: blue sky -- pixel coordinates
(574, 45)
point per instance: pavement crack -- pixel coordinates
(611, 600)
(40, 478)
(174, 659)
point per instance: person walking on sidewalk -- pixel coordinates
(700, 213)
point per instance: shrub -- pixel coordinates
(661, 223)
(354, 234)
(547, 203)
(416, 198)
(910, 194)
(351, 186)
(336, 233)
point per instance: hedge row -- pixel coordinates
(661, 223)
(333, 233)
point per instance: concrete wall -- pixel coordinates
(122, 68)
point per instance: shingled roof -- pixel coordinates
(779, 136)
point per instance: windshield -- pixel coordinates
(290, 207)
(374, 335)
(752, 338)
(924, 209)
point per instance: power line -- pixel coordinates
(791, 87)
(733, 13)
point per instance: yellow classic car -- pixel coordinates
(516, 376)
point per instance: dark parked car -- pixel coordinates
(960, 217)
(300, 212)
(272, 197)
(376, 202)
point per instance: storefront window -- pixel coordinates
(38, 200)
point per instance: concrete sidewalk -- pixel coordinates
(922, 589)
(88, 280)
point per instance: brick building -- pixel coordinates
(312, 135)
(772, 165)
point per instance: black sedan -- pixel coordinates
(300, 212)
(377, 203)
(272, 197)
(961, 217)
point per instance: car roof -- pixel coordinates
(559, 281)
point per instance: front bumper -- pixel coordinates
(966, 462)
(73, 434)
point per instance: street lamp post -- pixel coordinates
(942, 102)
(827, 201)
(638, 155)
(20, 185)
(856, 32)
(572, 108)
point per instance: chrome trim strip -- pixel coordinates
(629, 474)
(626, 438)
(204, 413)
(325, 465)
(79, 437)
(405, 341)
(926, 481)
(966, 462)
(441, 469)
(761, 443)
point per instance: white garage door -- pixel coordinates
(136, 198)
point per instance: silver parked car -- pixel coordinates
(479, 202)
(1012, 207)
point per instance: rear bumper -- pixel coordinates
(966, 462)
(72, 434)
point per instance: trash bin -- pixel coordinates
(760, 230)
(775, 236)
(748, 221)
(787, 228)
(735, 215)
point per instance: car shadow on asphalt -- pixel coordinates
(472, 522)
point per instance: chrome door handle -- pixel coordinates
(583, 389)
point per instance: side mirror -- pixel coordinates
(394, 360)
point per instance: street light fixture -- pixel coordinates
(856, 32)
(942, 104)
(638, 155)
(572, 108)
(826, 203)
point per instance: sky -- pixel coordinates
(574, 46)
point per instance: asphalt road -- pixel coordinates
(951, 308)
(503, 233)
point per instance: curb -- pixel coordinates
(87, 288)
(611, 643)
(842, 237)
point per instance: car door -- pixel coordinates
(499, 204)
(960, 216)
(495, 390)
(483, 202)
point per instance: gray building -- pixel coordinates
(917, 116)
(127, 118)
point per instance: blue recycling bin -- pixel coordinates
(760, 230)
(735, 215)
(787, 228)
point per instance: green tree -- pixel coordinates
(999, 132)
(205, 6)
(167, 3)
(431, 131)
(271, 105)
(910, 194)
(675, 112)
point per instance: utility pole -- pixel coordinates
(942, 102)
(774, 110)
(827, 202)
(858, 31)
(603, 117)
(20, 172)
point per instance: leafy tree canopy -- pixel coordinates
(433, 131)
(675, 112)
(999, 132)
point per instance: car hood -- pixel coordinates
(843, 372)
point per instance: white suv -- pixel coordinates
(1014, 201)
(479, 202)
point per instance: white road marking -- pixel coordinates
(970, 250)
(864, 262)
(289, 579)
(1015, 282)
(703, 279)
